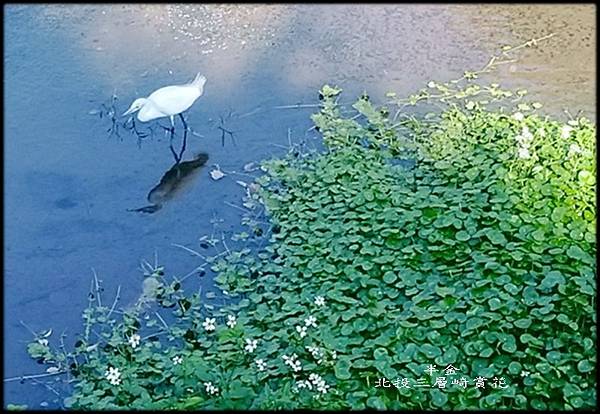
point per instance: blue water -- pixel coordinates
(68, 185)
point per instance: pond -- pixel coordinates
(70, 184)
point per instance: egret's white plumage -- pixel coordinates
(168, 101)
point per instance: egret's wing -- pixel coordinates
(172, 100)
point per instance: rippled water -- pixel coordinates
(68, 185)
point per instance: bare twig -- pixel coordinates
(224, 244)
(27, 377)
(238, 207)
(117, 297)
(28, 328)
(162, 320)
(194, 252)
(97, 287)
(297, 106)
(201, 267)
(250, 113)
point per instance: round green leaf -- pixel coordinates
(576, 402)
(538, 404)
(495, 304)
(554, 357)
(376, 402)
(430, 351)
(496, 237)
(523, 323)
(585, 366)
(438, 397)
(462, 236)
(515, 368)
(389, 277)
(474, 323)
(552, 279)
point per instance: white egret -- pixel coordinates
(168, 101)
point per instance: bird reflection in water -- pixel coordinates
(177, 177)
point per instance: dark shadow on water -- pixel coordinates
(172, 182)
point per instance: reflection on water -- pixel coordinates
(359, 46)
(68, 186)
(172, 182)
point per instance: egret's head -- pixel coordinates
(135, 106)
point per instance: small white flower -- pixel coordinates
(526, 134)
(574, 149)
(296, 366)
(261, 364)
(319, 300)
(231, 321)
(43, 342)
(323, 388)
(210, 388)
(431, 84)
(311, 321)
(293, 362)
(251, 345)
(301, 330)
(134, 340)
(304, 384)
(565, 131)
(177, 360)
(288, 359)
(470, 105)
(314, 378)
(113, 376)
(318, 382)
(525, 373)
(524, 153)
(518, 116)
(316, 353)
(333, 354)
(209, 324)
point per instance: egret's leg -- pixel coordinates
(183, 120)
(171, 140)
(185, 131)
(172, 124)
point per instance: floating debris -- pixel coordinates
(217, 174)
(251, 166)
